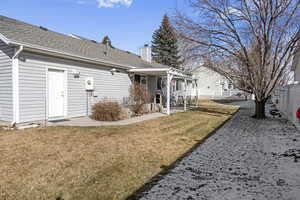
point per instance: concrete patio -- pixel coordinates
(86, 121)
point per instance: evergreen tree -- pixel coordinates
(106, 40)
(165, 45)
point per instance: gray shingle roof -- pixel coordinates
(21, 32)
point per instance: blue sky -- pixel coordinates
(129, 23)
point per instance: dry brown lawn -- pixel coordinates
(99, 162)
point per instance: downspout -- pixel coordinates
(15, 72)
(18, 52)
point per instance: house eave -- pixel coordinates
(161, 71)
(4, 39)
(150, 70)
(47, 51)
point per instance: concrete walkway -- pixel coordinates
(247, 159)
(86, 121)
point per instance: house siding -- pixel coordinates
(297, 69)
(209, 83)
(297, 73)
(296, 65)
(6, 95)
(33, 86)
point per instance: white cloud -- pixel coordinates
(81, 2)
(89, 2)
(114, 3)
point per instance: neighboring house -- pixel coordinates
(296, 66)
(212, 85)
(46, 75)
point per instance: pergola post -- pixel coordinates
(169, 79)
(185, 91)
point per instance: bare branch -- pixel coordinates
(255, 38)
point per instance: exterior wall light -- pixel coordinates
(76, 73)
(113, 71)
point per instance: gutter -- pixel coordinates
(4, 39)
(169, 70)
(150, 70)
(37, 48)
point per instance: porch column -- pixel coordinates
(185, 91)
(168, 93)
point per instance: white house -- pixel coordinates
(46, 75)
(210, 84)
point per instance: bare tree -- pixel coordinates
(139, 96)
(250, 42)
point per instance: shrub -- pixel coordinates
(139, 96)
(106, 110)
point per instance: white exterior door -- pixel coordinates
(56, 93)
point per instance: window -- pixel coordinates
(173, 87)
(158, 83)
(140, 79)
(143, 80)
(230, 86)
(178, 85)
(158, 99)
(137, 78)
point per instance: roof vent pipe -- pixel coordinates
(145, 53)
(43, 28)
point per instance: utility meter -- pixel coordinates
(89, 83)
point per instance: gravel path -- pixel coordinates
(247, 159)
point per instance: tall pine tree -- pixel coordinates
(165, 45)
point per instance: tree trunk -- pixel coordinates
(260, 109)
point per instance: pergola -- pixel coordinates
(170, 73)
